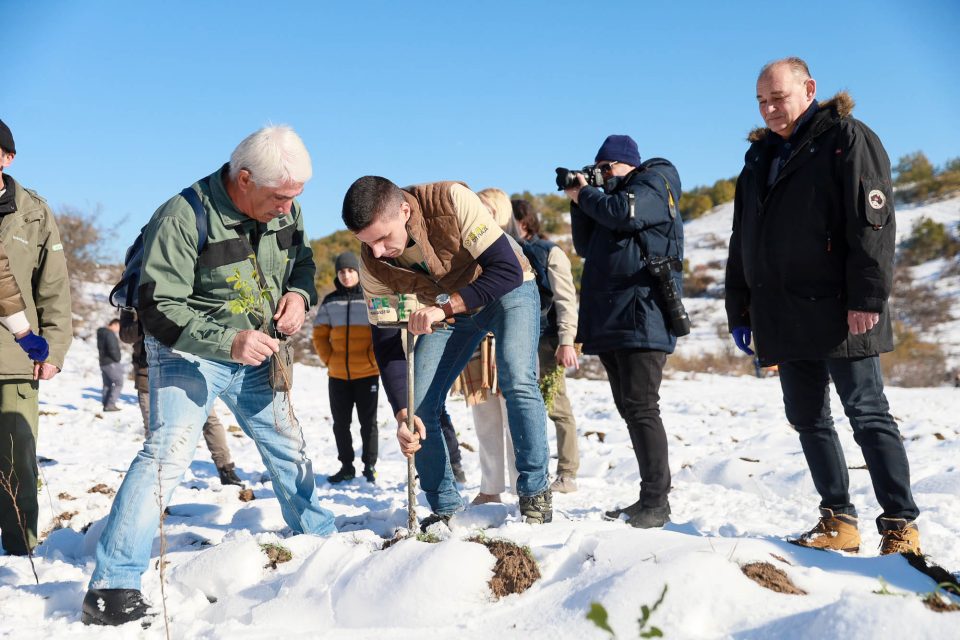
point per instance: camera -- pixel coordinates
(661, 268)
(567, 178)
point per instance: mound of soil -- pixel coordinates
(768, 576)
(515, 571)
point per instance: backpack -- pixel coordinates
(125, 294)
(536, 252)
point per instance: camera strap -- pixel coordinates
(671, 209)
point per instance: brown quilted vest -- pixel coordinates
(433, 227)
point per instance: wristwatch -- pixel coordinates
(443, 301)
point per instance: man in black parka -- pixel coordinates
(809, 273)
(623, 314)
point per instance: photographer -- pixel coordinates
(630, 311)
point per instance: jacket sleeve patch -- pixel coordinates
(877, 201)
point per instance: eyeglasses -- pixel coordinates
(607, 167)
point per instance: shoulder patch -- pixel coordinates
(876, 199)
(57, 247)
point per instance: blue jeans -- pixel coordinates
(859, 383)
(514, 321)
(183, 388)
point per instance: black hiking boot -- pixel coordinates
(650, 517)
(345, 473)
(369, 473)
(228, 475)
(113, 607)
(434, 518)
(537, 509)
(629, 511)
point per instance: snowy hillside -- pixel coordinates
(740, 487)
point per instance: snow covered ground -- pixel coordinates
(740, 487)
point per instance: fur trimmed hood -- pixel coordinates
(842, 103)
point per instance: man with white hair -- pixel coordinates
(199, 349)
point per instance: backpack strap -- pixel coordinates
(201, 215)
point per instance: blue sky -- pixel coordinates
(121, 104)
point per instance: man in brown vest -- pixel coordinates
(438, 245)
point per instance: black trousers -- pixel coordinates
(806, 399)
(635, 376)
(344, 394)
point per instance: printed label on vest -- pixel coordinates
(475, 235)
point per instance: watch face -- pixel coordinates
(443, 298)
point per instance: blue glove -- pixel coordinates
(741, 338)
(35, 346)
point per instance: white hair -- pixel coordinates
(274, 156)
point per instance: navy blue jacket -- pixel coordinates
(620, 302)
(537, 250)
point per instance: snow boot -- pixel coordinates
(629, 511)
(369, 473)
(836, 532)
(898, 536)
(345, 473)
(650, 517)
(113, 607)
(433, 519)
(458, 474)
(228, 475)
(537, 509)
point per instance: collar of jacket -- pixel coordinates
(229, 214)
(416, 226)
(8, 201)
(839, 106)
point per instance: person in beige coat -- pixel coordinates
(29, 235)
(558, 330)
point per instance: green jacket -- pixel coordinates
(184, 298)
(32, 241)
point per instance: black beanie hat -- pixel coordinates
(347, 261)
(6, 139)
(619, 149)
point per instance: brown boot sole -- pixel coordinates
(799, 543)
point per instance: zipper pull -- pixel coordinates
(829, 243)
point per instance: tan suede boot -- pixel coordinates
(898, 536)
(834, 532)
